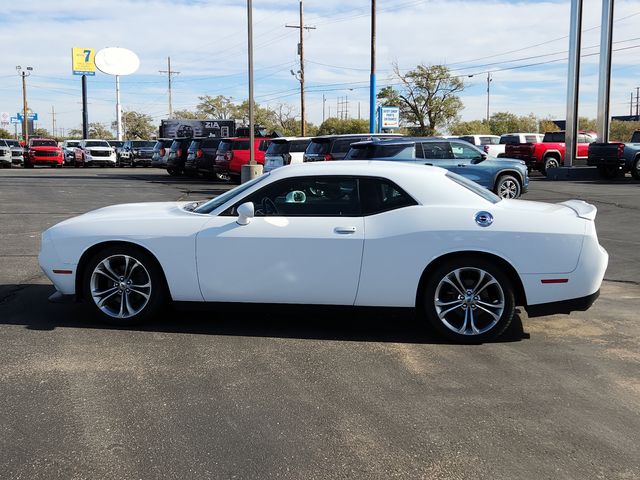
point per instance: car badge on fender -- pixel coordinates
(484, 219)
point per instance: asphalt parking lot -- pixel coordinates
(307, 394)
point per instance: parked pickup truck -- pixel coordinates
(550, 152)
(616, 158)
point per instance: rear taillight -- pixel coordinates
(327, 157)
(486, 148)
(199, 153)
(620, 150)
(286, 159)
(163, 152)
(179, 152)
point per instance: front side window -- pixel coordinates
(462, 151)
(375, 150)
(306, 197)
(435, 151)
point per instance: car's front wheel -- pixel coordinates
(550, 162)
(508, 186)
(124, 285)
(469, 300)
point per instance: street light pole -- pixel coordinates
(372, 80)
(488, 93)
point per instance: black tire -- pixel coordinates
(94, 282)
(508, 186)
(549, 162)
(609, 171)
(635, 169)
(438, 289)
(172, 172)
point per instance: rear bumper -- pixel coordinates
(564, 306)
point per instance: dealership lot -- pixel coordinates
(300, 393)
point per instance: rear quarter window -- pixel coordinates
(318, 147)
(298, 145)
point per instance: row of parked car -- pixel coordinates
(222, 158)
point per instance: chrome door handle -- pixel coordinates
(345, 230)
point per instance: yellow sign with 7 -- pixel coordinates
(82, 60)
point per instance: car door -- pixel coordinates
(583, 145)
(469, 164)
(304, 245)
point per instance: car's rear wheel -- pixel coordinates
(635, 169)
(469, 300)
(508, 186)
(124, 285)
(550, 162)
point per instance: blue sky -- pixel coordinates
(523, 44)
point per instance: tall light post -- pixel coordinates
(489, 80)
(372, 78)
(25, 121)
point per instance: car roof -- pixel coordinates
(355, 135)
(402, 140)
(289, 139)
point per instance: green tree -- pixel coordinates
(472, 127)
(5, 133)
(96, 130)
(219, 107)
(185, 114)
(622, 131)
(136, 125)
(336, 126)
(547, 125)
(426, 97)
(587, 124)
(41, 132)
(507, 122)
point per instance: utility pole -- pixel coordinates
(372, 80)
(53, 121)
(169, 73)
(488, 93)
(302, 28)
(631, 105)
(637, 101)
(25, 120)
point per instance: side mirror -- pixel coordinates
(246, 212)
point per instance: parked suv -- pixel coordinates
(178, 156)
(507, 178)
(94, 152)
(136, 152)
(489, 143)
(68, 149)
(17, 152)
(234, 152)
(335, 147)
(161, 152)
(43, 151)
(201, 156)
(5, 154)
(284, 151)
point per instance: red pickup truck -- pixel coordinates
(43, 151)
(550, 152)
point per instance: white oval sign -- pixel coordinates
(117, 61)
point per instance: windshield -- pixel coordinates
(214, 203)
(13, 143)
(97, 144)
(116, 143)
(44, 143)
(73, 144)
(474, 187)
(142, 144)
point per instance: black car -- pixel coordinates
(136, 152)
(335, 147)
(201, 156)
(178, 156)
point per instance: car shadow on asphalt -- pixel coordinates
(27, 305)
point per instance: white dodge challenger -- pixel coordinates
(344, 233)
